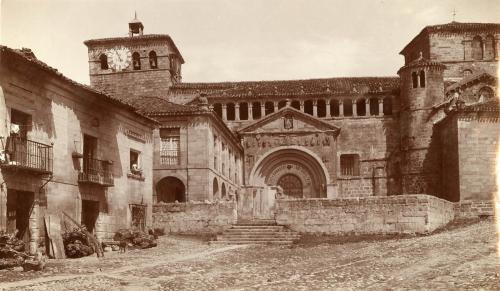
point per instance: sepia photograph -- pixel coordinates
(249, 145)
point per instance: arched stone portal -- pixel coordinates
(170, 189)
(292, 164)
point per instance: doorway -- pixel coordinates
(90, 212)
(138, 216)
(19, 208)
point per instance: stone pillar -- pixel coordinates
(341, 108)
(224, 111)
(315, 108)
(354, 108)
(381, 107)
(367, 107)
(301, 105)
(237, 112)
(3, 208)
(33, 229)
(327, 102)
(275, 106)
(262, 109)
(250, 111)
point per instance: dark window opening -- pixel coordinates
(334, 108)
(374, 106)
(467, 73)
(223, 191)
(103, 59)
(422, 79)
(218, 109)
(135, 166)
(269, 107)
(477, 48)
(215, 189)
(388, 106)
(230, 114)
(153, 61)
(296, 104)
(349, 165)
(136, 61)
(308, 107)
(485, 94)
(348, 108)
(321, 108)
(414, 79)
(256, 114)
(243, 111)
(281, 104)
(361, 107)
(20, 123)
(489, 45)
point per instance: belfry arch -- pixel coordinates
(297, 164)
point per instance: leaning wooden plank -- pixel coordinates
(53, 225)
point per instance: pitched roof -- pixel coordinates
(152, 105)
(454, 27)
(478, 76)
(132, 39)
(491, 105)
(422, 62)
(290, 87)
(29, 57)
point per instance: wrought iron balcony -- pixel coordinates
(96, 172)
(23, 154)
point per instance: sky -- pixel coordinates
(236, 40)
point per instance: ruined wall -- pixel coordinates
(365, 215)
(195, 217)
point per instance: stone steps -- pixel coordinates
(262, 232)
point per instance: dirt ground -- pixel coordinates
(461, 258)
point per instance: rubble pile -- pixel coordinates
(77, 244)
(136, 238)
(12, 254)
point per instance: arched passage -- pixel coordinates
(170, 189)
(292, 164)
(223, 191)
(215, 189)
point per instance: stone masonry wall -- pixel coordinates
(365, 215)
(474, 209)
(194, 217)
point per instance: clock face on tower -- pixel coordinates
(119, 58)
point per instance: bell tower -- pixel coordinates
(135, 65)
(422, 87)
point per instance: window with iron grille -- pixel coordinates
(349, 165)
(169, 146)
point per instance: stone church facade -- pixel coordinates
(310, 154)
(321, 138)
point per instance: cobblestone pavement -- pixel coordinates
(459, 259)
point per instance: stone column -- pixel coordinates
(250, 111)
(301, 105)
(315, 108)
(327, 102)
(237, 111)
(262, 109)
(341, 108)
(381, 107)
(367, 107)
(275, 106)
(354, 108)
(224, 111)
(33, 228)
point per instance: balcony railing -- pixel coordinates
(96, 172)
(24, 154)
(169, 157)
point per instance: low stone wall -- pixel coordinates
(474, 209)
(365, 215)
(194, 217)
